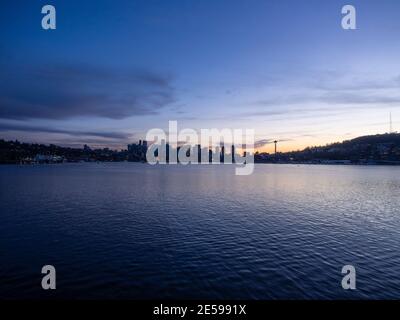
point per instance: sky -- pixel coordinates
(112, 70)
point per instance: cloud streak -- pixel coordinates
(327, 95)
(69, 91)
(27, 128)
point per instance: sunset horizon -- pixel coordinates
(109, 91)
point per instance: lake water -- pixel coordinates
(130, 230)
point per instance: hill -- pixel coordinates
(375, 149)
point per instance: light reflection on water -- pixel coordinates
(126, 230)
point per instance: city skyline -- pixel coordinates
(109, 73)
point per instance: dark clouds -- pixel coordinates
(28, 128)
(262, 143)
(63, 92)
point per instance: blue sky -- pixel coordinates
(114, 69)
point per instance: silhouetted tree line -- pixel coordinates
(17, 152)
(382, 148)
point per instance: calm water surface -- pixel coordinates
(127, 230)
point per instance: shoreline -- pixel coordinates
(390, 164)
